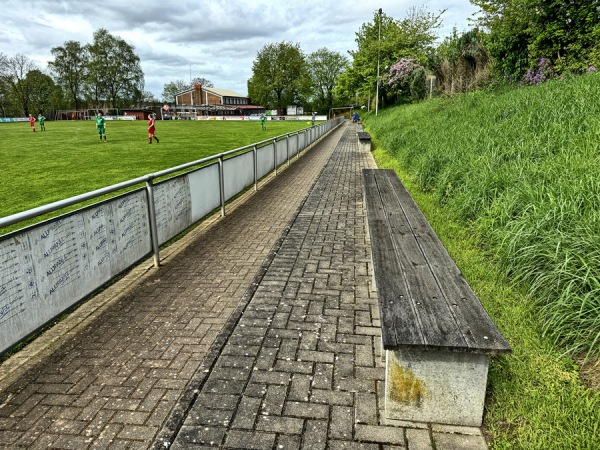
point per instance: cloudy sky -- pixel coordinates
(214, 39)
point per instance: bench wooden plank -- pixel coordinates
(435, 318)
(393, 286)
(475, 324)
(442, 306)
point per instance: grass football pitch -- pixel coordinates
(69, 159)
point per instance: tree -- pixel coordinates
(114, 71)
(278, 75)
(4, 86)
(202, 82)
(407, 77)
(42, 96)
(70, 69)
(148, 97)
(521, 32)
(172, 88)
(386, 41)
(16, 70)
(566, 32)
(324, 68)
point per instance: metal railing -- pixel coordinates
(56, 263)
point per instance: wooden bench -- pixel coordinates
(437, 337)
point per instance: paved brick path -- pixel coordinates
(259, 331)
(302, 368)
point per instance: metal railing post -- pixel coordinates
(255, 154)
(287, 149)
(275, 155)
(153, 225)
(222, 185)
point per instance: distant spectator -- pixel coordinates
(312, 119)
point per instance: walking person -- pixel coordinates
(32, 122)
(151, 128)
(101, 126)
(41, 120)
(312, 119)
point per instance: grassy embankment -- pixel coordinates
(69, 159)
(511, 183)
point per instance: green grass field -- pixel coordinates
(68, 158)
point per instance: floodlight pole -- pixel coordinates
(378, 51)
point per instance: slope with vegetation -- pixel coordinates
(509, 179)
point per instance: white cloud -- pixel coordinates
(218, 39)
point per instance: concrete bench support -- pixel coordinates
(435, 386)
(364, 141)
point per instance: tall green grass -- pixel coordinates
(522, 168)
(535, 399)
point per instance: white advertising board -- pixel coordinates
(47, 268)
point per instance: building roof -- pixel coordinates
(224, 92)
(219, 92)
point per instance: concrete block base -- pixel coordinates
(364, 146)
(435, 386)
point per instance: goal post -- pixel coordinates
(345, 111)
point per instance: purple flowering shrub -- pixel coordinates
(543, 73)
(407, 76)
(400, 73)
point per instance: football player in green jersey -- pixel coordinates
(101, 126)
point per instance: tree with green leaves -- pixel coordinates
(407, 77)
(386, 40)
(324, 68)
(43, 96)
(171, 89)
(522, 32)
(202, 82)
(279, 76)
(114, 71)
(70, 69)
(4, 86)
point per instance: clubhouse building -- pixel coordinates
(201, 102)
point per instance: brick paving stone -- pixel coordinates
(387, 435)
(365, 409)
(453, 441)
(307, 410)
(250, 440)
(418, 439)
(315, 435)
(279, 424)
